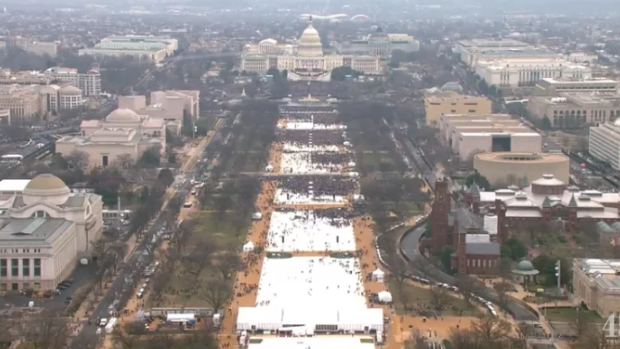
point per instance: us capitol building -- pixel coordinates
(306, 61)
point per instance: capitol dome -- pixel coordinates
(46, 188)
(310, 42)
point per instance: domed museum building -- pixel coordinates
(45, 230)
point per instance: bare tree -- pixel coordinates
(86, 340)
(580, 324)
(416, 340)
(50, 331)
(596, 338)
(492, 329)
(124, 161)
(438, 296)
(78, 160)
(502, 288)
(121, 340)
(217, 292)
(228, 264)
(523, 332)
(467, 285)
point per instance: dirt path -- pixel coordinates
(246, 283)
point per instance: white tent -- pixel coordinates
(378, 275)
(257, 216)
(351, 164)
(269, 168)
(353, 174)
(346, 143)
(385, 297)
(249, 247)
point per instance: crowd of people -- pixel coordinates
(305, 137)
(320, 185)
(317, 116)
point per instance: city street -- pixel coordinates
(138, 259)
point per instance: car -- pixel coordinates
(103, 322)
(188, 204)
(99, 331)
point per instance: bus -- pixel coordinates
(114, 214)
(12, 158)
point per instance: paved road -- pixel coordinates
(138, 259)
(410, 248)
(409, 244)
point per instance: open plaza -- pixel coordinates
(306, 230)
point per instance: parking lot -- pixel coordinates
(13, 300)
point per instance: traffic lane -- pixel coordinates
(409, 247)
(101, 311)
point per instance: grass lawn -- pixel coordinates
(253, 162)
(209, 228)
(567, 314)
(222, 231)
(420, 297)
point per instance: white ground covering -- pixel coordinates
(308, 125)
(311, 282)
(292, 148)
(300, 293)
(302, 163)
(284, 197)
(302, 231)
(312, 342)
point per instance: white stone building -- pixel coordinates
(44, 230)
(306, 61)
(89, 83)
(123, 132)
(528, 71)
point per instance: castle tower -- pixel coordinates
(439, 217)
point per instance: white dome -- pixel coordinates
(46, 188)
(123, 115)
(310, 42)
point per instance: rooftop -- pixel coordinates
(490, 42)
(567, 80)
(33, 231)
(13, 185)
(331, 342)
(452, 97)
(510, 157)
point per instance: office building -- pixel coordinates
(552, 86)
(5, 117)
(604, 143)
(470, 50)
(450, 102)
(23, 78)
(169, 106)
(582, 57)
(89, 83)
(151, 48)
(546, 199)
(55, 98)
(381, 45)
(469, 135)
(516, 167)
(33, 46)
(44, 231)
(123, 132)
(520, 72)
(305, 61)
(575, 109)
(22, 101)
(596, 283)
